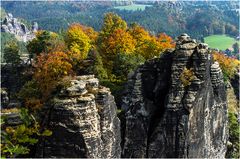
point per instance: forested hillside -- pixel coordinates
(199, 19)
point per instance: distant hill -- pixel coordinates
(198, 18)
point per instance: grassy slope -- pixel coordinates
(221, 42)
(133, 7)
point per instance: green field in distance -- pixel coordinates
(133, 7)
(221, 42)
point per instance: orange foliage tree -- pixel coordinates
(156, 45)
(116, 38)
(139, 34)
(165, 41)
(120, 41)
(111, 23)
(50, 69)
(228, 65)
(150, 46)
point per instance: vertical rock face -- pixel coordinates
(84, 123)
(166, 118)
(14, 26)
(235, 82)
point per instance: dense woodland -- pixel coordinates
(110, 49)
(197, 19)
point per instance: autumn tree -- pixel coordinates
(228, 65)
(139, 34)
(50, 69)
(148, 45)
(111, 23)
(114, 39)
(165, 41)
(142, 38)
(77, 42)
(89, 31)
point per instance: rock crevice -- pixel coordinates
(84, 122)
(173, 119)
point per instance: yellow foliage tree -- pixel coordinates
(77, 42)
(119, 42)
(140, 35)
(114, 39)
(228, 65)
(89, 31)
(150, 46)
(112, 22)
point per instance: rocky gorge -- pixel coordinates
(174, 106)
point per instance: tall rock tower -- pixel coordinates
(176, 105)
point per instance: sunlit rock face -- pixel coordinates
(14, 26)
(84, 122)
(165, 118)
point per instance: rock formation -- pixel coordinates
(4, 98)
(14, 26)
(84, 123)
(167, 118)
(235, 81)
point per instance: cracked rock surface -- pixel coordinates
(84, 123)
(165, 118)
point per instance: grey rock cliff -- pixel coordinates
(84, 123)
(14, 26)
(165, 118)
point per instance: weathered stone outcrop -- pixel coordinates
(84, 122)
(165, 118)
(4, 98)
(14, 26)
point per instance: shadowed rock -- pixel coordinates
(84, 123)
(165, 118)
